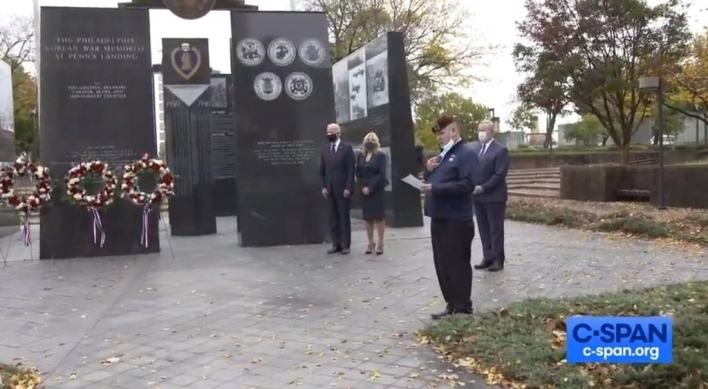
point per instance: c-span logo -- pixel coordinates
(619, 339)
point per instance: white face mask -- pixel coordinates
(482, 136)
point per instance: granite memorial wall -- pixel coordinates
(186, 81)
(371, 94)
(223, 148)
(97, 103)
(283, 102)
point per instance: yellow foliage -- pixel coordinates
(690, 84)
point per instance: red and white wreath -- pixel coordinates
(165, 185)
(41, 194)
(78, 194)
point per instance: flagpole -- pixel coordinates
(37, 65)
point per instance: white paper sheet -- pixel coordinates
(413, 181)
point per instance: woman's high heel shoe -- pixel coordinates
(379, 250)
(370, 249)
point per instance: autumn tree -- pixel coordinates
(441, 48)
(606, 46)
(467, 112)
(523, 118)
(587, 131)
(546, 86)
(17, 49)
(689, 85)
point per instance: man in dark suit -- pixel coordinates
(448, 203)
(490, 196)
(337, 173)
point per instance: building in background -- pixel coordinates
(159, 114)
(7, 115)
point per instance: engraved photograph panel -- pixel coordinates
(219, 99)
(377, 80)
(340, 78)
(357, 85)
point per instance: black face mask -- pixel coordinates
(332, 137)
(369, 146)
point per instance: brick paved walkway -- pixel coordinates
(209, 314)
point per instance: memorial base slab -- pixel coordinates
(193, 215)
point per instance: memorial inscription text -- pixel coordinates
(95, 49)
(286, 152)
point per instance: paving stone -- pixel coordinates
(218, 316)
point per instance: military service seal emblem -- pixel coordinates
(312, 52)
(250, 52)
(267, 86)
(281, 52)
(298, 86)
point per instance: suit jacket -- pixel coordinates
(337, 169)
(491, 172)
(452, 184)
(372, 174)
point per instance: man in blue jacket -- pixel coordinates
(448, 203)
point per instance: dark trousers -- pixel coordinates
(340, 224)
(452, 253)
(490, 221)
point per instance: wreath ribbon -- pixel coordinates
(144, 236)
(130, 189)
(26, 234)
(97, 227)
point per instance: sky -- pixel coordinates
(496, 24)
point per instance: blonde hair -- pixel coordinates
(371, 137)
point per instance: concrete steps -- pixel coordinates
(534, 182)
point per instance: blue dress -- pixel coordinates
(372, 174)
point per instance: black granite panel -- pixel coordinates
(283, 102)
(97, 103)
(185, 61)
(188, 123)
(371, 94)
(405, 204)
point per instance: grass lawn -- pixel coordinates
(641, 220)
(18, 377)
(524, 344)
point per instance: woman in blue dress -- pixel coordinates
(371, 176)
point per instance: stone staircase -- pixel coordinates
(534, 182)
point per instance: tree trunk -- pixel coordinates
(625, 156)
(604, 140)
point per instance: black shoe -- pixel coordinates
(334, 250)
(344, 251)
(462, 311)
(440, 315)
(496, 266)
(483, 265)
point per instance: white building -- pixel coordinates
(159, 114)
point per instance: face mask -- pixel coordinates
(482, 136)
(332, 137)
(448, 146)
(369, 145)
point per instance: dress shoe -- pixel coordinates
(448, 312)
(496, 266)
(334, 250)
(440, 315)
(483, 265)
(345, 251)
